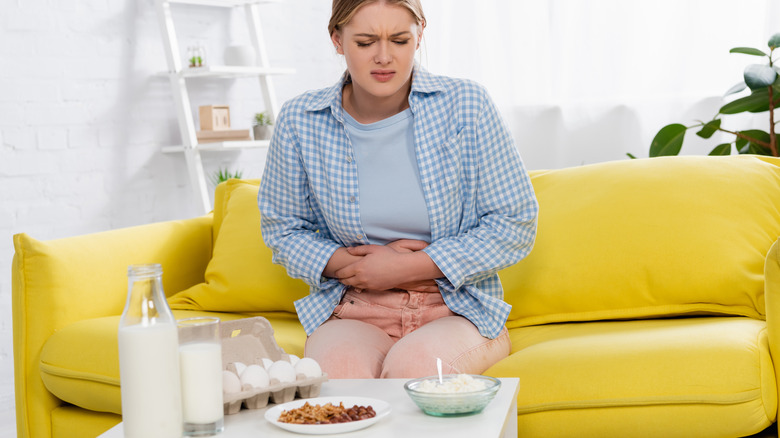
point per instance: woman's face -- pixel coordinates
(378, 45)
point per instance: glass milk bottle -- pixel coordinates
(149, 359)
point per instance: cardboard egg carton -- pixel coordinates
(249, 341)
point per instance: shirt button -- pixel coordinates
(359, 237)
(351, 199)
(349, 159)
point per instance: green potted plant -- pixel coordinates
(222, 175)
(763, 81)
(263, 126)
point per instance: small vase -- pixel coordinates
(263, 132)
(149, 358)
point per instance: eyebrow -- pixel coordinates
(371, 35)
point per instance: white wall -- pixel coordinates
(83, 115)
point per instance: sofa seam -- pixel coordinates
(57, 371)
(19, 246)
(761, 372)
(636, 402)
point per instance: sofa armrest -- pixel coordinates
(58, 282)
(772, 299)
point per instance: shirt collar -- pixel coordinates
(423, 82)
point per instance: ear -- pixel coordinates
(335, 37)
(419, 36)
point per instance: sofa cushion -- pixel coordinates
(606, 378)
(240, 276)
(646, 238)
(90, 379)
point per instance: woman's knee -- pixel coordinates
(455, 340)
(348, 349)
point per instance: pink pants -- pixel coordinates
(399, 334)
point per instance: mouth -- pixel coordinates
(382, 75)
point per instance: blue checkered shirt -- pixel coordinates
(480, 201)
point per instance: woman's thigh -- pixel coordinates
(349, 349)
(455, 340)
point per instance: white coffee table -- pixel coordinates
(406, 420)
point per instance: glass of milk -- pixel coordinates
(200, 360)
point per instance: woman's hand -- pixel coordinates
(399, 264)
(408, 245)
(377, 269)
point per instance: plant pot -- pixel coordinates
(263, 132)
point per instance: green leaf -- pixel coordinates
(757, 102)
(709, 128)
(630, 155)
(736, 88)
(754, 148)
(756, 134)
(740, 143)
(722, 149)
(759, 76)
(747, 51)
(668, 141)
(774, 41)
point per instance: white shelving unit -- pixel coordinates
(179, 74)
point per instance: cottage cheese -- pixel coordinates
(458, 384)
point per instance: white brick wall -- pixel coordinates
(83, 116)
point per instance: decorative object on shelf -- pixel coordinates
(196, 56)
(240, 55)
(215, 125)
(222, 175)
(214, 117)
(764, 83)
(224, 135)
(263, 126)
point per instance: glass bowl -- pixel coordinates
(448, 404)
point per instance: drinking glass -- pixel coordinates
(200, 358)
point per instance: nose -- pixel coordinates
(383, 55)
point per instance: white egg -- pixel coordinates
(240, 367)
(267, 363)
(282, 371)
(230, 382)
(308, 367)
(255, 376)
(293, 359)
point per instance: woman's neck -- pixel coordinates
(367, 108)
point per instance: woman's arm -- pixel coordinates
(291, 228)
(501, 229)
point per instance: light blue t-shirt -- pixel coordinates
(392, 205)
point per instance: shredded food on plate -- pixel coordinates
(326, 414)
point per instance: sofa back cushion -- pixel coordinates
(240, 276)
(648, 238)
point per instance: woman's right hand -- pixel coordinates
(411, 245)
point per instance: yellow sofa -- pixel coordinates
(648, 307)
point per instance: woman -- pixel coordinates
(396, 195)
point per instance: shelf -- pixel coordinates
(222, 3)
(222, 146)
(229, 72)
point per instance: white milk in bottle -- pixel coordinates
(149, 359)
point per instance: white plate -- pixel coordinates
(382, 409)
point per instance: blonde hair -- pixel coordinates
(344, 10)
